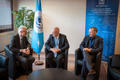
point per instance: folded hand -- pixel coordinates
(87, 49)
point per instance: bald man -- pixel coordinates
(56, 45)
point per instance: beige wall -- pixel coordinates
(5, 37)
(117, 46)
(69, 15)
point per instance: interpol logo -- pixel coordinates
(101, 2)
(38, 26)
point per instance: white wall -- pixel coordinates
(69, 15)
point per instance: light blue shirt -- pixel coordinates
(56, 44)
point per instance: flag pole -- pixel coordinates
(38, 62)
(38, 39)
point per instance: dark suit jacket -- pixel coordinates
(63, 42)
(15, 44)
(97, 47)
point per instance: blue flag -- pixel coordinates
(37, 35)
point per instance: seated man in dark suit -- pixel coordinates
(90, 46)
(56, 44)
(21, 48)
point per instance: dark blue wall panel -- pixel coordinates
(103, 15)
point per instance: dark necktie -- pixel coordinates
(22, 43)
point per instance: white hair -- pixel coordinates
(21, 27)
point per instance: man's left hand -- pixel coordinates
(87, 49)
(27, 51)
(57, 50)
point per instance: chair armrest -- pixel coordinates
(8, 52)
(98, 59)
(46, 51)
(66, 55)
(99, 55)
(78, 54)
(66, 58)
(3, 61)
(11, 56)
(109, 61)
(66, 52)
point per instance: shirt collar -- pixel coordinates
(20, 37)
(57, 37)
(91, 38)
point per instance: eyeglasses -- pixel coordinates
(24, 31)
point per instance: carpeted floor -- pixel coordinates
(71, 63)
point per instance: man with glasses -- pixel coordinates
(21, 48)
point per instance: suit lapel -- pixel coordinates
(59, 40)
(95, 41)
(53, 41)
(87, 41)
